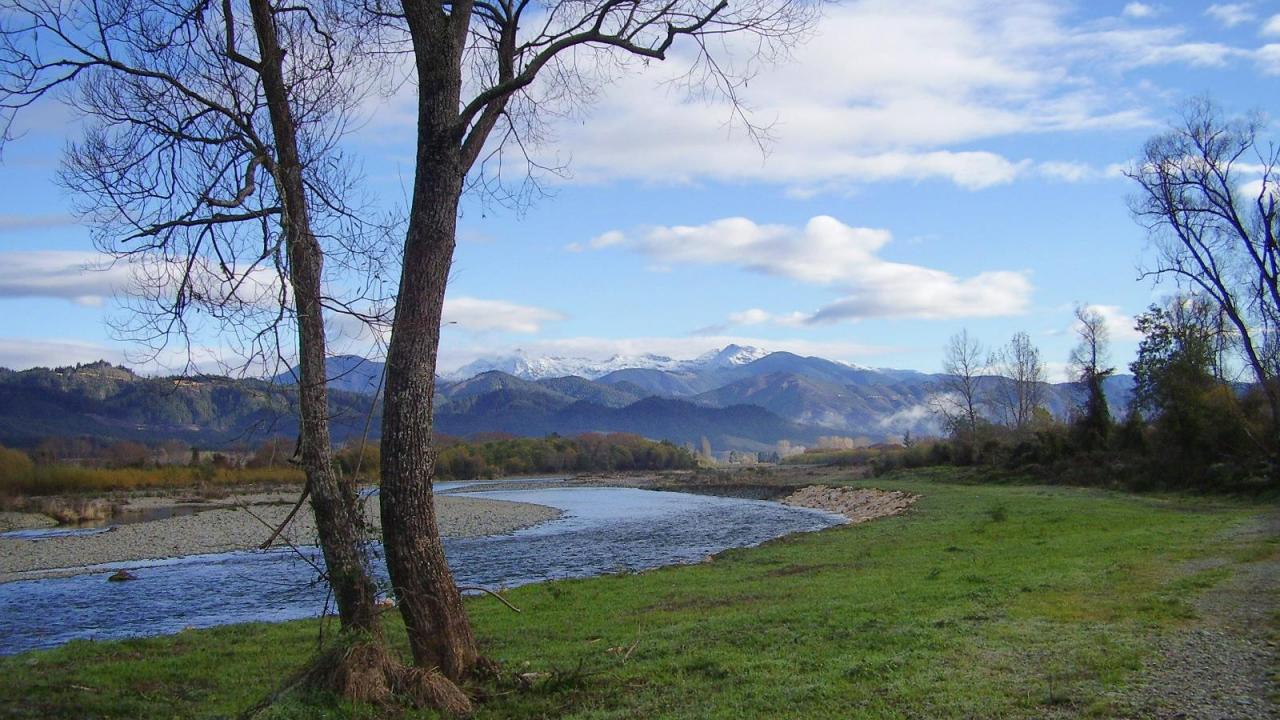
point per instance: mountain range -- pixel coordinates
(823, 397)
(522, 365)
(737, 397)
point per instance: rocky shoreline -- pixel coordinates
(857, 504)
(238, 522)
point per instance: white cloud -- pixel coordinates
(477, 315)
(882, 92)
(81, 277)
(1139, 10)
(90, 278)
(607, 239)
(23, 353)
(887, 92)
(1231, 14)
(1059, 372)
(1119, 324)
(1267, 58)
(828, 252)
(1253, 189)
(753, 316)
(1271, 27)
(1072, 172)
(923, 417)
(600, 241)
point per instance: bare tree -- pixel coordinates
(1208, 197)
(1089, 362)
(487, 72)
(209, 166)
(1021, 387)
(962, 390)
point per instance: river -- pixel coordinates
(602, 530)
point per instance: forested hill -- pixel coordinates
(106, 402)
(111, 403)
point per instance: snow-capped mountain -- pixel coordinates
(523, 365)
(728, 356)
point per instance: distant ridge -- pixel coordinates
(738, 397)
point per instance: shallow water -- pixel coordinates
(602, 530)
(53, 532)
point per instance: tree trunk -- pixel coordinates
(440, 633)
(336, 505)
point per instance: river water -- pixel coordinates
(602, 530)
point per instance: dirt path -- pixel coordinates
(1223, 665)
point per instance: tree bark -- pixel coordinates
(440, 634)
(335, 503)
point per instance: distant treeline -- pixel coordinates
(1190, 426)
(498, 455)
(70, 465)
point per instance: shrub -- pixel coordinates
(14, 464)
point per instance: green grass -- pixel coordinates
(984, 601)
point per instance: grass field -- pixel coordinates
(983, 601)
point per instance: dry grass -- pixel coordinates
(63, 479)
(74, 511)
(365, 671)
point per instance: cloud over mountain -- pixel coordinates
(830, 253)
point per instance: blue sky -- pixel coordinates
(931, 166)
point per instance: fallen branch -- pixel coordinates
(288, 519)
(491, 592)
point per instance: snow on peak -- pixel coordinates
(520, 364)
(729, 356)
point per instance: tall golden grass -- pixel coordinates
(59, 479)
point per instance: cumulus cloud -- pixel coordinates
(1267, 58)
(1139, 10)
(753, 316)
(1255, 188)
(1231, 14)
(1272, 27)
(888, 92)
(881, 92)
(828, 252)
(1119, 324)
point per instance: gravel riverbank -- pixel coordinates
(1222, 665)
(239, 522)
(857, 504)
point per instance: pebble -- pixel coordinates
(857, 504)
(1218, 668)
